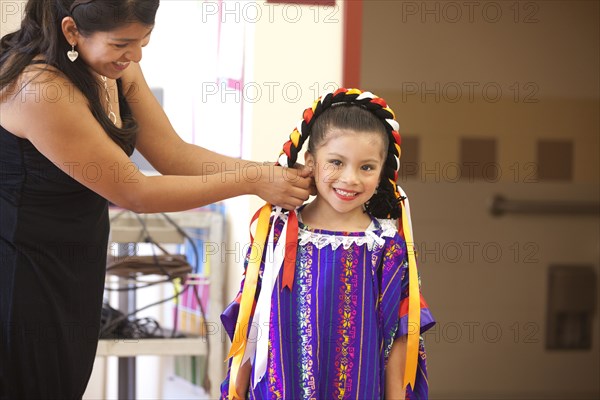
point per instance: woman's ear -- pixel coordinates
(69, 29)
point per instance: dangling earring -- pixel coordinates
(72, 54)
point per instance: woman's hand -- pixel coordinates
(309, 172)
(284, 187)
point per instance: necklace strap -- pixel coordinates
(111, 114)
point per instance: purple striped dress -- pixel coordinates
(330, 336)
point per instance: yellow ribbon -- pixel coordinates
(390, 111)
(295, 137)
(240, 337)
(414, 306)
(315, 104)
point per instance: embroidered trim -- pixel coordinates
(370, 238)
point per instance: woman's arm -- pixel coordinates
(65, 131)
(394, 371)
(158, 141)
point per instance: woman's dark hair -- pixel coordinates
(41, 34)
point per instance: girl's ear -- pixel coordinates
(310, 162)
(309, 159)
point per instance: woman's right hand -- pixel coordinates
(284, 187)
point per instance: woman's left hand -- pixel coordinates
(307, 172)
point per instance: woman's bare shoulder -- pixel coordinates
(40, 89)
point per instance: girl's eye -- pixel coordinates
(337, 163)
(120, 46)
(367, 168)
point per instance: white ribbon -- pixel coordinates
(407, 207)
(394, 124)
(379, 240)
(254, 326)
(365, 95)
(273, 262)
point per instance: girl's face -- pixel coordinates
(347, 168)
(109, 53)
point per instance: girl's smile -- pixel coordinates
(347, 168)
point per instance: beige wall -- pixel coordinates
(443, 78)
(554, 44)
(486, 278)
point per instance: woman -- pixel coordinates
(74, 104)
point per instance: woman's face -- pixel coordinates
(110, 53)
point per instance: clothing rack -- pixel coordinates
(127, 230)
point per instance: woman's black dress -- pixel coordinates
(53, 246)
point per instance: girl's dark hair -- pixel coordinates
(358, 111)
(356, 118)
(345, 116)
(41, 34)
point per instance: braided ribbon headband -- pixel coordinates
(241, 349)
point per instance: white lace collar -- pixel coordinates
(371, 236)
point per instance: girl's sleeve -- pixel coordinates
(394, 305)
(427, 320)
(394, 291)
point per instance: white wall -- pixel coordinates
(11, 13)
(291, 53)
(298, 53)
(294, 54)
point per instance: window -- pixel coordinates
(478, 159)
(555, 160)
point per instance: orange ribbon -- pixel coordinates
(414, 309)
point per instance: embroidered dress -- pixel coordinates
(330, 336)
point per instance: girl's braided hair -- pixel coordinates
(385, 202)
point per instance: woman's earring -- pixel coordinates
(72, 54)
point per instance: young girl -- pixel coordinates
(330, 308)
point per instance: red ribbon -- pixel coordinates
(291, 248)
